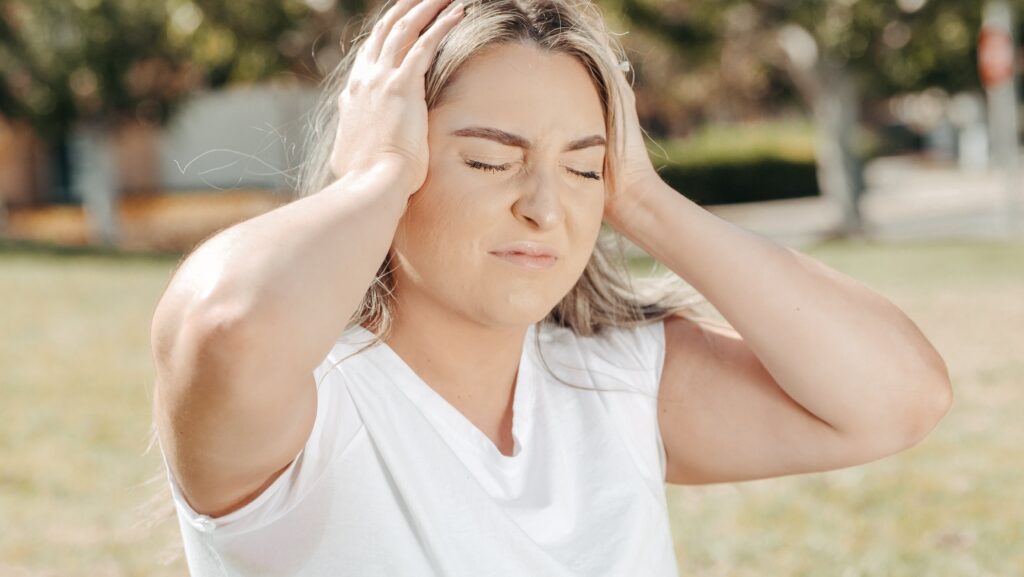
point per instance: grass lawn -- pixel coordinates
(77, 375)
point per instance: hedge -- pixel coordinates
(747, 180)
(741, 162)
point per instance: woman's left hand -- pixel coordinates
(634, 171)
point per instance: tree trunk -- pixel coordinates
(831, 92)
(60, 170)
(95, 181)
(840, 169)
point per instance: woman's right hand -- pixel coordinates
(382, 109)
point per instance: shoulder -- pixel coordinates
(353, 345)
(636, 343)
(635, 354)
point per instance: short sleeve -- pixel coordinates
(631, 359)
(336, 423)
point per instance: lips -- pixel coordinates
(528, 248)
(530, 255)
(527, 261)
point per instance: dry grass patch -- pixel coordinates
(76, 386)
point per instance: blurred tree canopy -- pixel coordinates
(835, 53)
(737, 54)
(65, 61)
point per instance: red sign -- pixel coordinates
(995, 56)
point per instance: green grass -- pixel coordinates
(949, 506)
(743, 143)
(76, 383)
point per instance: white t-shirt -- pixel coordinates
(394, 481)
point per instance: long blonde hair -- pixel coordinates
(606, 294)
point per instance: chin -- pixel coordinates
(514, 309)
(529, 311)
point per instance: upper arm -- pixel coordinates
(229, 422)
(723, 417)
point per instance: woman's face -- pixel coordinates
(540, 193)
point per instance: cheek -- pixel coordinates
(436, 234)
(586, 221)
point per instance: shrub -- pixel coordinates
(723, 164)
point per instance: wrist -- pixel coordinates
(398, 174)
(390, 178)
(630, 210)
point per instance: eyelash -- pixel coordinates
(490, 168)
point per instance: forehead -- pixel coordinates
(523, 89)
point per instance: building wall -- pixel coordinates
(22, 166)
(243, 137)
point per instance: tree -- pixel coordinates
(836, 54)
(94, 65)
(100, 63)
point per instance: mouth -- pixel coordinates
(527, 254)
(528, 261)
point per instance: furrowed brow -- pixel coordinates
(509, 139)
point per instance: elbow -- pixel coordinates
(929, 406)
(218, 335)
(903, 420)
(928, 395)
(194, 343)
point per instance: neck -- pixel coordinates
(456, 356)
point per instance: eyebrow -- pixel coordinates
(509, 139)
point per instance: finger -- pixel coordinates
(383, 27)
(407, 29)
(422, 53)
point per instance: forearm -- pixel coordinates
(838, 348)
(287, 281)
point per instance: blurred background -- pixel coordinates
(879, 136)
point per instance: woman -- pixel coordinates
(450, 237)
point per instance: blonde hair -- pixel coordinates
(605, 295)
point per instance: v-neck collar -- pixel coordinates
(459, 428)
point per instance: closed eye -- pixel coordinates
(491, 168)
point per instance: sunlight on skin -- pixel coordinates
(462, 311)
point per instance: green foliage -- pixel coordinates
(750, 180)
(723, 164)
(65, 60)
(731, 143)
(103, 60)
(893, 46)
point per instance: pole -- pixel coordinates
(996, 48)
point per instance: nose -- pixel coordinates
(540, 203)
